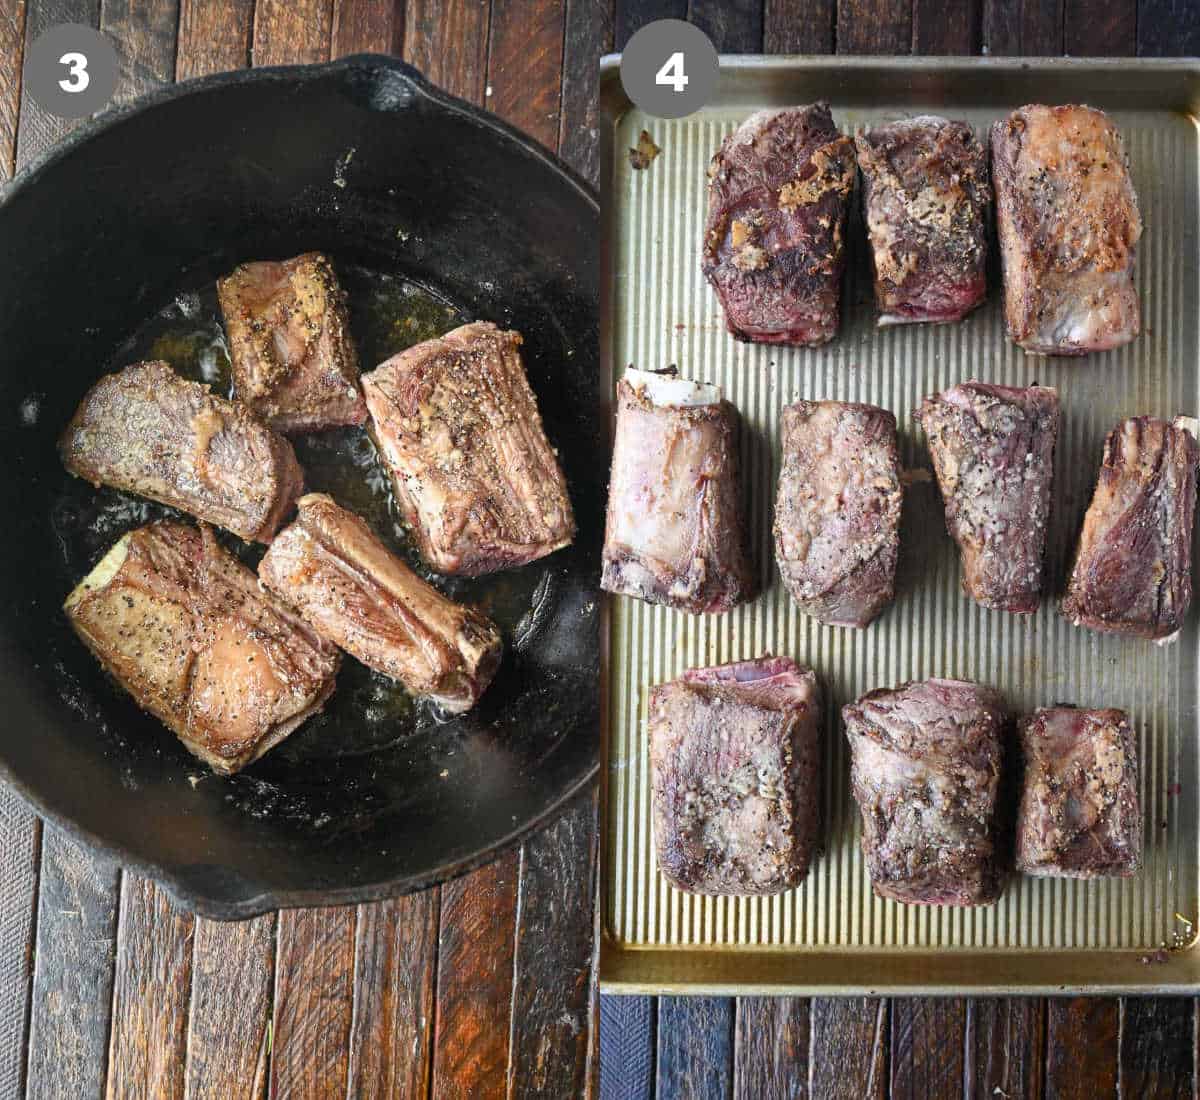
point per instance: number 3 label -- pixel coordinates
(79, 78)
(672, 74)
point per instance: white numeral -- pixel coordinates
(79, 78)
(672, 73)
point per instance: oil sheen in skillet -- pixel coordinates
(368, 713)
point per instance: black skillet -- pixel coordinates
(363, 159)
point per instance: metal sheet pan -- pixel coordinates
(832, 935)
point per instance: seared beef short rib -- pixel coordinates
(294, 362)
(1068, 223)
(674, 534)
(925, 773)
(993, 452)
(837, 512)
(458, 425)
(185, 628)
(147, 431)
(1133, 566)
(1080, 816)
(354, 592)
(774, 239)
(735, 759)
(925, 197)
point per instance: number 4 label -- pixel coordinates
(672, 74)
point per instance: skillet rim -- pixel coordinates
(182, 885)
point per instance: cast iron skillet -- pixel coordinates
(363, 159)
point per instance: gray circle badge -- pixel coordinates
(71, 70)
(669, 68)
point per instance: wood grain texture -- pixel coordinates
(940, 28)
(1168, 28)
(151, 994)
(367, 26)
(735, 26)
(630, 16)
(1100, 28)
(799, 26)
(874, 26)
(474, 982)
(1004, 1047)
(628, 1031)
(525, 58)
(395, 961)
(1157, 1054)
(1081, 1047)
(314, 1001)
(770, 1059)
(695, 1048)
(214, 36)
(849, 1047)
(927, 1043)
(1029, 28)
(589, 30)
(12, 47)
(292, 32)
(73, 978)
(19, 840)
(447, 40)
(144, 32)
(233, 971)
(553, 960)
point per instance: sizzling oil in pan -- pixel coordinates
(368, 713)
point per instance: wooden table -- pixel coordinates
(763, 1049)
(479, 989)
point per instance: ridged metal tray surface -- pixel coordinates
(832, 934)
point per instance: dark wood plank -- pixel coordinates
(928, 1041)
(524, 69)
(695, 1048)
(367, 26)
(799, 26)
(771, 1048)
(1168, 28)
(12, 48)
(1100, 28)
(848, 1051)
(394, 966)
(214, 36)
(1030, 28)
(447, 40)
(874, 26)
(73, 979)
(589, 26)
(229, 1033)
(1004, 1047)
(292, 32)
(630, 16)
(151, 994)
(941, 28)
(20, 836)
(1158, 1048)
(735, 26)
(144, 33)
(628, 1040)
(553, 963)
(474, 982)
(1081, 1048)
(314, 1001)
